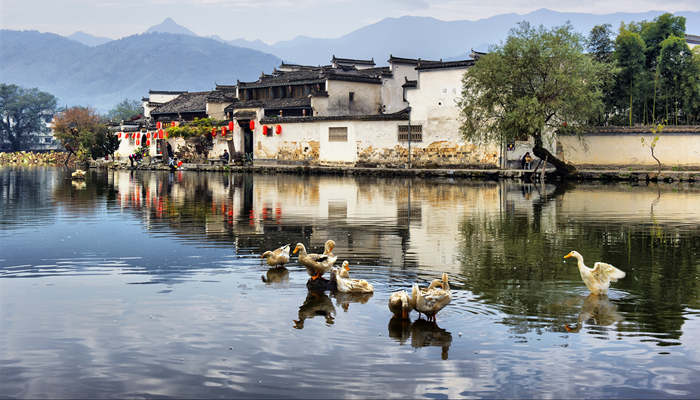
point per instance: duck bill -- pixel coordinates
(296, 250)
(568, 255)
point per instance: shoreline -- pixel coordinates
(606, 175)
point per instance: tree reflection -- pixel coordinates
(514, 260)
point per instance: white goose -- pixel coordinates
(598, 278)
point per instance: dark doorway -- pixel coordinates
(247, 140)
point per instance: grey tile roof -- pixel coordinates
(222, 94)
(194, 102)
(402, 115)
(338, 60)
(286, 103)
(167, 91)
(444, 64)
(409, 61)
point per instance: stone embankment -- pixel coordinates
(610, 175)
(617, 175)
(25, 158)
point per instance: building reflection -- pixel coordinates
(503, 241)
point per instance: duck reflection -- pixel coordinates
(79, 185)
(276, 276)
(597, 309)
(316, 303)
(422, 333)
(344, 299)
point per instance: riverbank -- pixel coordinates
(31, 158)
(612, 175)
(609, 175)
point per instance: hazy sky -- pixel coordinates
(275, 20)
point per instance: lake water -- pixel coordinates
(150, 284)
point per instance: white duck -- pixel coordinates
(316, 264)
(432, 299)
(347, 285)
(401, 304)
(278, 257)
(598, 278)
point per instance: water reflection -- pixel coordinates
(344, 299)
(422, 333)
(316, 304)
(276, 276)
(597, 310)
(141, 247)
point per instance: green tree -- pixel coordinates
(629, 54)
(105, 143)
(23, 113)
(601, 47)
(126, 110)
(535, 84)
(600, 44)
(655, 32)
(677, 78)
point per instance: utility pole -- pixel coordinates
(409, 136)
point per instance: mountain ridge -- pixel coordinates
(101, 76)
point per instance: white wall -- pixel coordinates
(367, 98)
(434, 106)
(156, 98)
(673, 149)
(297, 142)
(392, 87)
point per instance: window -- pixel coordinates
(351, 96)
(338, 134)
(416, 133)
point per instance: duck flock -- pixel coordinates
(428, 301)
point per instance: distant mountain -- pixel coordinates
(88, 39)
(170, 26)
(104, 75)
(432, 38)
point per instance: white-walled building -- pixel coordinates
(349, 112)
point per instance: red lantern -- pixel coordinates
(160, 134)
(230, 126)
(154, 135)
(213, 132)
(265, 130)
(138, 142)
(126, 135)
(166, 134)
(148, 142)
(158, 125)
(120, 135)
(223, 131)
(278, 129)
(172, 123)
(252, 125)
